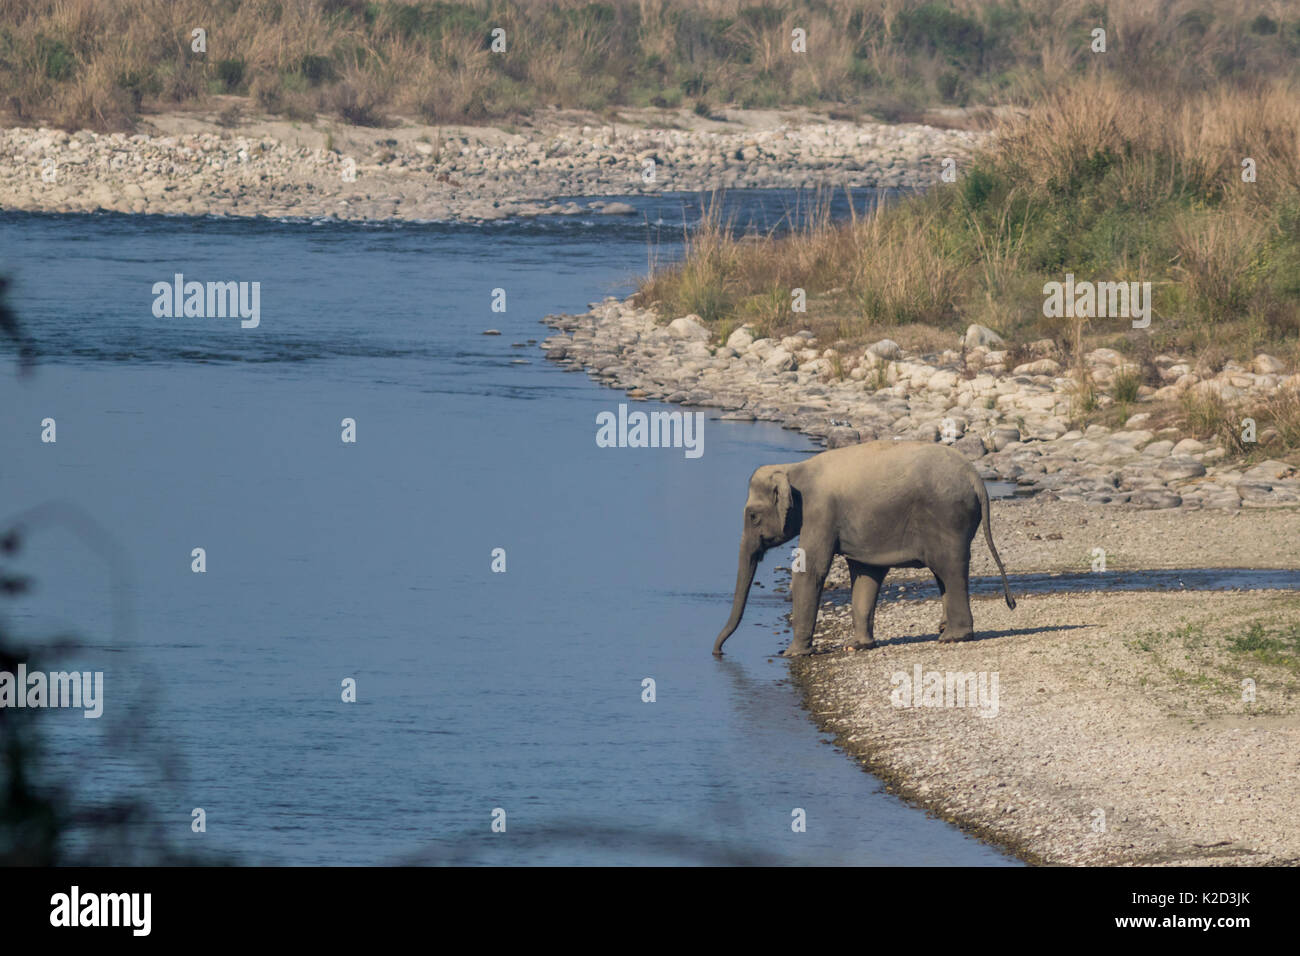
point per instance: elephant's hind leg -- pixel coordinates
(955, 623)
(866, 579)
(943, 606)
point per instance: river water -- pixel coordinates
(476, 692)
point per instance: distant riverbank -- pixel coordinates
(188, 163)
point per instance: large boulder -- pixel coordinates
(1268, 365)
(886, 349)
(688, 327)
(941, 381)
(1041, 367)
(1134, 439)
(1004, 435)
(972, 446)
(977, 335)
(741, 339)
(839, 436)
(1179, 469)
(918, 373)
(1104, 357)
(780, 360)
(1050, 430)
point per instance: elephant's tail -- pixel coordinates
(988, 536)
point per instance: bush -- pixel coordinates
(1125, 386)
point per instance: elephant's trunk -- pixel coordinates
(749, 556)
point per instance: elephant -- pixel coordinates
(881, 504)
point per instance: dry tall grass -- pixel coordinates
(1158, 139)
(101, 62)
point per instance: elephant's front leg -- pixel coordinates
(807, 596)
(867, 579)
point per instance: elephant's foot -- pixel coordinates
(860, 646)
(952, 637)
(797, 650)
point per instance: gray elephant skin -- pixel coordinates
(882, 504)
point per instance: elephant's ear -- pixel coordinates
(782, 495)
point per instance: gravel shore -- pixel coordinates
(1122, 734)
(189, 163)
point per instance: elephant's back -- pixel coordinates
(892, 454)
(909, 469)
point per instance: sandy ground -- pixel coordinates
(1121, 732)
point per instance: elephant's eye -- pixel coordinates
(753, 517)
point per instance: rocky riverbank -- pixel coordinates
(1012, 422)
(192, 164)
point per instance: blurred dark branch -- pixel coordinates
(43, 822)
(97, 538)
(12, 330)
